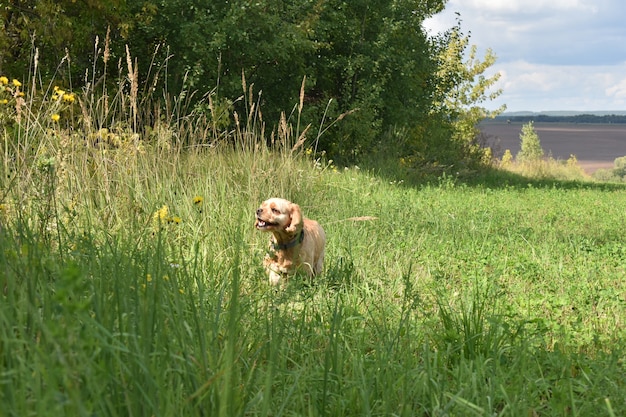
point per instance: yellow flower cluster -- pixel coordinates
(162, 216)
(62, 95)
(13, 89)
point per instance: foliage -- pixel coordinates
(616, 174)
(450, 137)
(619, 166)
(463, 86)
(547, 168)
(530, 145)
(367, 63)
(59, 30)
(507, 158)
(544, 168)
(379, 61)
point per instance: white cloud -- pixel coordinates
(553, 54)
(524, 6)
(537, 87)
(617, 91)
(542, 31)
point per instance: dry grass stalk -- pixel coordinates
(133, 77)
(301, 139)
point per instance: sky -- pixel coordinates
(552, 54)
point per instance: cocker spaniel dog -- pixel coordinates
(297, 243)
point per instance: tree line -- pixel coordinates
(579, 118)
(408, 93)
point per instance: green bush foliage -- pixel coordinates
(530, 144)
(616, 174)
(370, 64)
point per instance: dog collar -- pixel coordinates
(296, 241)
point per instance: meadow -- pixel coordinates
(132, 284)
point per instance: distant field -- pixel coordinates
(595, 145)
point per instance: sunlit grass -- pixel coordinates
(545, 168)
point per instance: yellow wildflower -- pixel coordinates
(4, 101)
(174, 219)
(161, 214)
(149, 278)
(198, 200)
(55, 117)
(16, 83)
(4, 80)
(69, 98)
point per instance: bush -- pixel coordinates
(616, 174)
(530, 145)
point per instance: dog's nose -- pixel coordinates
(259, 211)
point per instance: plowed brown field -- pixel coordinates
(595, 145)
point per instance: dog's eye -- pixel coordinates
(275, 211)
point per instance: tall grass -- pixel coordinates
(546, 168)
(132, 283)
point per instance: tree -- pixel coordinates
(371, 59)
(376, 58)
(619, 167)
(55, 28)
(530, 145)
(206, 45)
(450, 135)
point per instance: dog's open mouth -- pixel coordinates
(262, 224)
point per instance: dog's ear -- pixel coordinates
(296, 219)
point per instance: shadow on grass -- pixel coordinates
(487, 177)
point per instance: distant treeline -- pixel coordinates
(580, 118)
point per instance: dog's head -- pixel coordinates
(278, 215)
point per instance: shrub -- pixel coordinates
(619, 167)
(530, 145)
(616, 174)
(507, 158)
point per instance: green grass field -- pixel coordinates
(131, 279)
(132, 285)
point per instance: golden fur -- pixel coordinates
(289, 250)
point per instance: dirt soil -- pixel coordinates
(595, 145)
